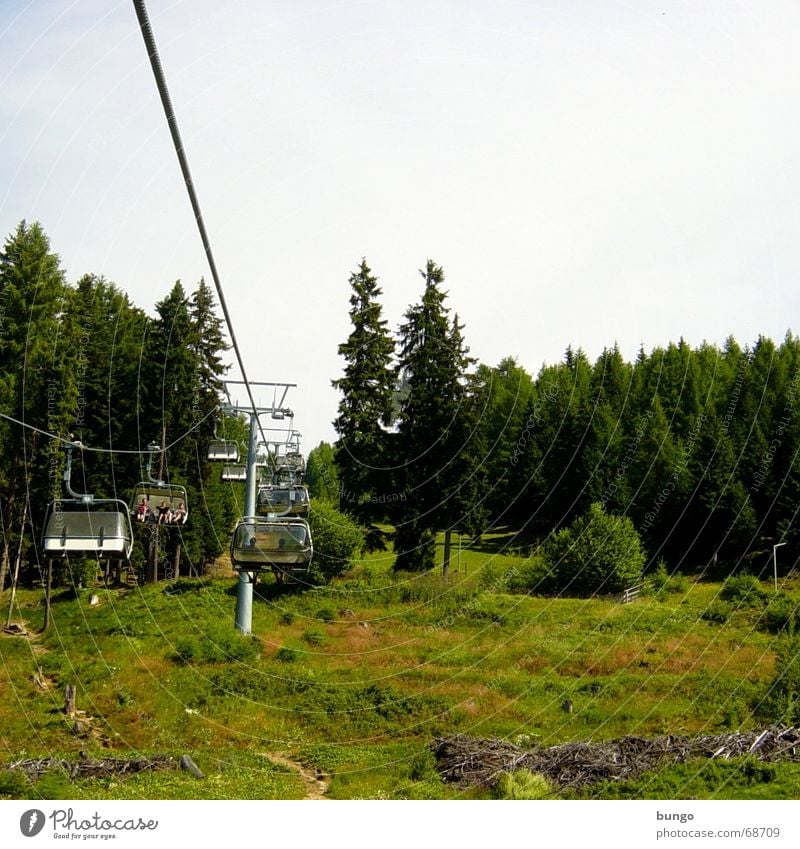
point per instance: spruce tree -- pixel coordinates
(214, 506)
(36, 387)
(366, 403)
(437, 450)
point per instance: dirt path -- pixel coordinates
(316, 788)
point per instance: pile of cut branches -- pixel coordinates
(471, 761)
(87, 767)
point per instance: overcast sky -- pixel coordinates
(585, 172)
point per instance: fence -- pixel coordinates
(631, 594)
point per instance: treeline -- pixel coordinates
(82, 362)
(698, 446)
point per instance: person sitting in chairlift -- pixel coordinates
(163, 513)
(142, 510)
(179, 515)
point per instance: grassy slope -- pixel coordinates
(356, 679)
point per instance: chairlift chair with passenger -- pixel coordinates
(161, 502)
(157, 500)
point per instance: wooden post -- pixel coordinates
(47, 586)
(69, 700)
(448, 534)
(177, 561)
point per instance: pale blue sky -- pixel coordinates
(584, 171)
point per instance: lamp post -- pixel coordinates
(775, 561)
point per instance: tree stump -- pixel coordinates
(69, 700)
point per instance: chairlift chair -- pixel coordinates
(151, 497)
(282, 500)
(260, 545)
(223, 450)
(88, 527)
(234, 472)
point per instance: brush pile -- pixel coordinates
(86, 767)
(469, 761)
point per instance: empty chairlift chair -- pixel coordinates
(234, 472)
(282, 500)
(88, 528)
(223, 450)
(283, 547)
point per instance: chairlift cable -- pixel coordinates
(166, 102)
(107, 450)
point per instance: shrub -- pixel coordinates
(14, 784)
(530, 576)
(325, 614)
(286, 655)
(337, 539)
(523, 784)
(782, 614)
(718, 611)
(658, 580)
(781, 702)
(597, 553)
(75, 572)
(742, 588)
(314, 637)
(216, 644)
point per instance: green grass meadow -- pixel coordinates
(355, 680)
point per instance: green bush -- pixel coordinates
(14, 784)
(658, 580)
(742, 588)
(337, 539)
(286, 655)
(325, 614)
(781, 702)
(314, 637)
(531, 576)
(782, 614)
(217, 644)
(54, 784)
(242, 681)
(718, 611)
(597, 553)
(75, 572)
(523, 784)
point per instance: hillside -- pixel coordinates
(354, 681)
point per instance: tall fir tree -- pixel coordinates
(366, 403)
(436, 456)
(36, 386)
(215, 506)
